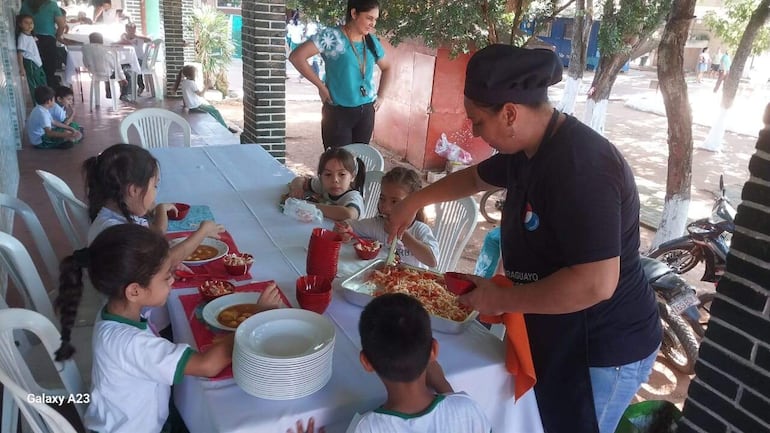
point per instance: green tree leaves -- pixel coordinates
(730, 25)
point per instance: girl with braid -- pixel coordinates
(133, 368)
(418, 246)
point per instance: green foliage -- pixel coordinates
(460, 25)
(729, 27)
(626, 22)
(213, 46)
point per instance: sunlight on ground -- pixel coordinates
(303, 117)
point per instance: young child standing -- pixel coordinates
(63, 111)
(30, 63)
(337, 188)
(133, 368)
(193, 96)
(42, 130)
(397, 345)
(417, 247)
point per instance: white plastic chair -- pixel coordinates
(102, 70)
(71, 212)
(42, 243)
(372, 186)
(15, 258)
(153, 126)
(373, 160)
(18, 381)
(455, 222)
(151, 52)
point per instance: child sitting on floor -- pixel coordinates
(42, 130)
(337, 188)
(63, 110)
(397, 344)
(418, 246)
(193, 96)
(133, 368)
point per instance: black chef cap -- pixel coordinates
(503, 73)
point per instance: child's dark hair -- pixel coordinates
(351, 163)
(43, 94)
(108, 175)
(409, 180)
(187, 71)
(396, 337)
(64, 91)
(19, 19)
(120, 255)
(96, 38)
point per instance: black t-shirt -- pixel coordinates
(576, 202)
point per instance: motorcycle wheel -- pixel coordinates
(680, 260)
(679, 345)
(491, 205)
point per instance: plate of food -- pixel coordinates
(229, 311)
(209, 250)
(446, 313)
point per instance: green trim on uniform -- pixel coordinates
(439, 398)
(106, 315)
(182, 364)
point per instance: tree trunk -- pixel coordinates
(601, 87)
(679, 116)
(581, 30)
(758, 18)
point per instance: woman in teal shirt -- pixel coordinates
(49, 28)
(349, 94)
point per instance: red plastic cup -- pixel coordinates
(182, 210)
(323, 253)
(314, 293)
(457, 284)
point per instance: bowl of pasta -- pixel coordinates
(238, 263)
(212, 289)
(367, 249)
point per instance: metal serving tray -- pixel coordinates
(357, 290)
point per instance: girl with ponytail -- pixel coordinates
(133, 367)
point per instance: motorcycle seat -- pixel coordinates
(654, 269)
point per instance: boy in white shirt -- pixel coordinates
(397, 344)
(42, 130)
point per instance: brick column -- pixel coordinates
(179, 40)
(264, 75)
(731, 390)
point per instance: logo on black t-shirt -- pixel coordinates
(530, 218)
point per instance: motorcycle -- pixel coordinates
(675, 296)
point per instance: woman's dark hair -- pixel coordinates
(351, 163)
(360, 6)
(409, 180)
(495, 108)
(396, 337)
(109, 174)
(120, 255)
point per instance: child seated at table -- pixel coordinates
(64, 109)
(30, 62)
(337, 188)
(193, 96)
(417, 247)
(397, 345)
(99, 60)
(42, 130)
(133, 368)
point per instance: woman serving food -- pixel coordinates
(570, 241)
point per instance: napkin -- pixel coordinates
(215, 268)
(196, 215)
(202, 333)
(518, 357)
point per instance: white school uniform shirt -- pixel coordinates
(132, 373)
(350, 198)
(58, 113)
(138, 45)
(28, 47)
(37, 122)
(374, 228)
(191, 99)
(449, 413)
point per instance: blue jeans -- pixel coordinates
(614, 387)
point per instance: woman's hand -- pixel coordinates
(486, 297)
(211, 229)
(310, 427)
(270, 298)
(326, 97)
(377, 103)
(401, 217)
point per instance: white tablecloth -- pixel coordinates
(126, 55)
(242, 184)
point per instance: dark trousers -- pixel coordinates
(46, 45)
(341, 126)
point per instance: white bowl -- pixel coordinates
(212, 309)
(221, 247)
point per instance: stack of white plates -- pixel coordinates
(283, 354)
